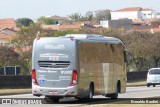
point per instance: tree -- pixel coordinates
(23, 45)
(103, 15)
(8, 56)
(154, 48)
(75, 17)
(135, 42)
(46, 21)
(89, 15)
(24, 22)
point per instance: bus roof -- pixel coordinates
(93, 37)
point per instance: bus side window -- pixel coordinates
(125, 57)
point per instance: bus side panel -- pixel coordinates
(83, 81)
(93, 57)
(85, 68)
(108, 77)
(103, 64)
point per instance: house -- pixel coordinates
(5, 39)
(60, 27)
(8, 30)
(8, 23)
(67, 26)
(134, 13)
(158, 15)
(117, 24)
(145, 24)
(6, 35)
(58, 19)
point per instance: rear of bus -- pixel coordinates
(54, 71)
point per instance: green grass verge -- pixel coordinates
(136, 83)
(124, 105)
(14, 91)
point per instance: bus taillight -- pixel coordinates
(34, 80)
(74, 78)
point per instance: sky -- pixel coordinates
(36, 8)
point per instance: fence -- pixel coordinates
(10, 70)
(24, 81)
(10, 81)
(136, 75)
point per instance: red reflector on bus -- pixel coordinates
(72, 39)
(33, 74)
(74, 78)
(35, 91)
(72, 92)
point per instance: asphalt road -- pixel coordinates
(131, 92)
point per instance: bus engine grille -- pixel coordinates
(54, 64)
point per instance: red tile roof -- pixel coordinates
(65, 26)
(154, 30)
(144, 20)
(50, 27)
(60, 27)
(69, 27)
(147, 9)
(133, 9)
(128, 9)
(7, 23)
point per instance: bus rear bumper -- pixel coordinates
(61, 92)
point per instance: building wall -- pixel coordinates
(3, 42)
(158, 14)
(148, 14)
(117, 24)
(59, 21)
(134, 15)
(104, 23)
(122, 15)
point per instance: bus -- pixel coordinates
(78, 65)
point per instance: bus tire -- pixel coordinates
(51, 99)
(115, 95)
(91, 93)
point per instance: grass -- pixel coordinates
(124, 105)
(14, 91)
(136, 83)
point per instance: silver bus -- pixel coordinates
(78, 65)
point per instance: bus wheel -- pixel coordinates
(51, 99)
(115, 95)
(90, 94)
